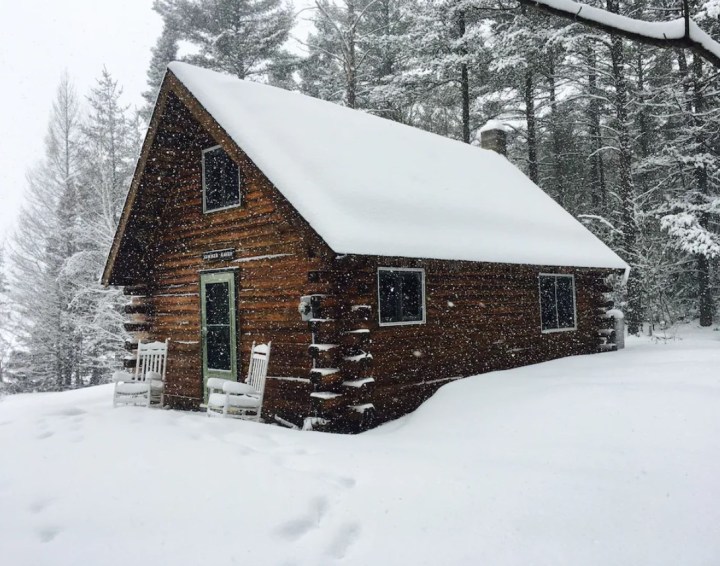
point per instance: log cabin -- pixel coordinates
(382, 261)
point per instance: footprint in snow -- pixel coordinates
(337, 481)
(40, 505)
(345, 482)
(290, 451)
(76, 423)
(296, 528)
(46, 534)
(268, 441)
(44, 435)
(70, 412)
(293, 530)
(245, 450)
(343, 540)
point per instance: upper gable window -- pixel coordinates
(557, 302)
(401, 296)
(221, 180)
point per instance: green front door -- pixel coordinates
(218, 330)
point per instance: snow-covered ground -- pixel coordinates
(612, 459)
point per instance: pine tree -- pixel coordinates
(689, 213)
(241, 37)
(338, 51)
(70, 326)
(355, 56)
(109, 152)
(529, 54)
(445, 66)
(43, 243)
(5, 332)
(164, 52)
(387, 22)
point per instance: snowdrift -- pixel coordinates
(605, 459)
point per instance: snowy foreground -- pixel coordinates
(611, 459)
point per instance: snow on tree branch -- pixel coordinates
(690, 236)
(682, 32)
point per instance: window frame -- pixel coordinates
(574, 296)
(204, 191)
(424, 297)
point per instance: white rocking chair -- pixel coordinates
(147, 384)
(241, 400)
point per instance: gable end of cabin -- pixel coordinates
(203, 224)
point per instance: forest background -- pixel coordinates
(624, 136)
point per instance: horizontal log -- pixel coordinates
(137, 326)
(141, 289)
(355, 370)
(332, 382)
(198, 235)
(327, 407)
(137, 309)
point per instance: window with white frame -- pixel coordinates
(401, 296)
(221, 180)
(557, 302)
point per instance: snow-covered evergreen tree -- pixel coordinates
(689, 212)
(338, 51)
(241, 37)
(164, 52)
(69, 325)
(110, 147)
(356, 54)
(445, 65)
(5, 332)
(45, 240)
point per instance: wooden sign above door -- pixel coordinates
(219, 255)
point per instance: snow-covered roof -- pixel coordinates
(371, 186)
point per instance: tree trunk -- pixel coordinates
(597, 186)
(706, 305)
(705, 299)
(556, 142)
(529, 92)
(642, 116)
(626, 190)
(386, 67)
(685, 73)
(351, 58)
(464, 80)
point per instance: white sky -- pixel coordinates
(39, 39)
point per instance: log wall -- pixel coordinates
(480, 317)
